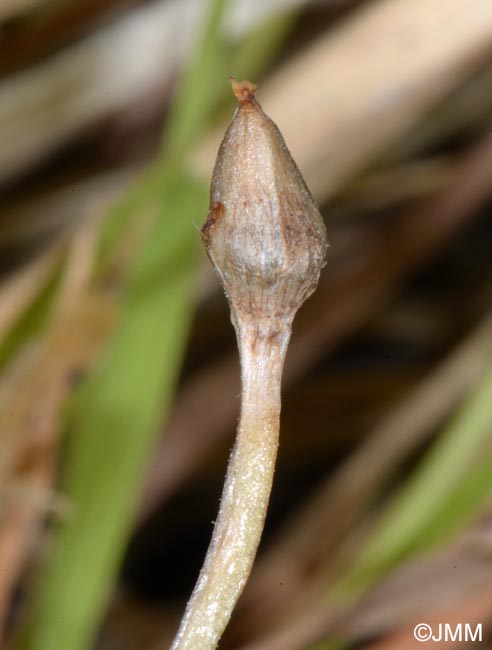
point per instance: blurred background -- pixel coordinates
(119, 376)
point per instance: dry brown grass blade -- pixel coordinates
(364, 83)
(450, 580)
(19, 290)
(46, 105)
(443, 582)
(10, 9)
(471, 611)
(300, 634)
(50, 25)
(392, 186)
(343, 301)
(465, 111)
(31, 412)
(37, 216)
(349, 296)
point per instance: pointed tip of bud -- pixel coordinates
(263, 233)
(245, 91)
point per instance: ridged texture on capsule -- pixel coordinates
(264, 233)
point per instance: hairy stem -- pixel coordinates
(246, 492)
(267, 241)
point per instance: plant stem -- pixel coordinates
(246, 491)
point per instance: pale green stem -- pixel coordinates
(246, 493)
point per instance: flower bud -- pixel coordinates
(264, 233)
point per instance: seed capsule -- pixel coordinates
(264, 233)
(267, 240)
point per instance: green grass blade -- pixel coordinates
(448, 487)
(199, 88)
(115, 419)
(259, 46)
(198, 93)
(33, 320)
(462, 504)
(447, 490)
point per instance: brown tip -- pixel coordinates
(244, 90)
